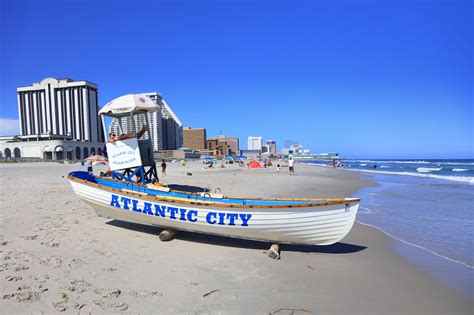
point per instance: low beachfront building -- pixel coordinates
(194, 138)
(223, 145)
(251, 153)
(48, 148)
(183, 153)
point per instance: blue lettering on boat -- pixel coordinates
(211, 217)
(245, 217)
(160, 211)
(172, 212)
(147, 208)
(135, 206)
(126, 202)
(182, 214)
(221, 218)
(231, 217)
(114, 202)
(192, 213)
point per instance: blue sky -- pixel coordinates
(371, 79)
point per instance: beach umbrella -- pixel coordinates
(129, 103)
(229, 157)
(97, 159)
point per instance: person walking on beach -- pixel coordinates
(278, 168)
(291, 166)
(163, 168)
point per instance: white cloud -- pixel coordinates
(9, 127)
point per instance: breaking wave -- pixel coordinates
(428, 169)
(464, 179)
(411, 162)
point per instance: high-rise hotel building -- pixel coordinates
(165, 128)
(254, 143)
(60, 107)
(58, 120)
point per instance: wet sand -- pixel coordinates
(57, 255)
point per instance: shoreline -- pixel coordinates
(455, 273)
(105, 266)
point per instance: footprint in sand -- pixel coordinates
(76, 262)
(51, 261)
(111, 306)
(105, 253)
(51, 243)
(61, 306)
(40, 278)
(13, 267)
(30, 237)
(108, 293)
(146, 294)
(18, 255)
(13, 278)
(79, 286)
(26, 293)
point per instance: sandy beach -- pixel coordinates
(58, 256)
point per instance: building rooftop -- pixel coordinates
(59, 82)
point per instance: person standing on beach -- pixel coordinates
(163, 168)
(291, 165)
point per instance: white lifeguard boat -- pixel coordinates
(122, 197)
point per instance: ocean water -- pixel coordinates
(431, 213)
(426, 203)
(451, 170)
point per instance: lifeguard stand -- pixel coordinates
(130, 157)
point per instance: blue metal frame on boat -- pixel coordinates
(145, 176)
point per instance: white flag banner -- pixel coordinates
(123, 154)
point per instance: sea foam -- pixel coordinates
(411, 162)
(428, 169)
(459, 169)
(464, 179)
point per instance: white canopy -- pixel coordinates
(129, 103)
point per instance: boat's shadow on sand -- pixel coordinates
(338, 248)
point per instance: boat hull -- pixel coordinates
(312, 225)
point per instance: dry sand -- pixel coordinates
(57, 255)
